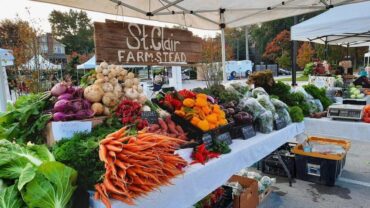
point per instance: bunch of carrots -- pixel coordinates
(136, 165)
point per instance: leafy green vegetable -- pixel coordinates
(25, 121)
(27, 174)
(220, 147)
(308, 69)
(296, 114)
(10, 198)
(53, 186)
(81, 152)
(318, 93)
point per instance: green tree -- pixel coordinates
(74, 29)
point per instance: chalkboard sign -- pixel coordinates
(207, 140)
(279, 124)
(248, 132)
(225, 137)
(150, 116)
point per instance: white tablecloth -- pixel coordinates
(352, 130)
(200, 180)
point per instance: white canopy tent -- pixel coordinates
(6, 59)
(89, 64)
(204, 14)
(40, 63)
(347, 25)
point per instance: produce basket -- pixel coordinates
(318, 167)
(196, 133)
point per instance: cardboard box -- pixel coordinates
(249, 198)
(50, 140)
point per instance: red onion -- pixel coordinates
(65, 96)
(59, 89)
(82, 114)
(78, 93)
(62, 106)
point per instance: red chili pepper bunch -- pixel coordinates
(171, 100)
(202, 155)
(211, 200)
(130, 113)
(187, 93)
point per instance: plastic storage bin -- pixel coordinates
(317, 167)
(271, 165)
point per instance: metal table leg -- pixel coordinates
(285, 168)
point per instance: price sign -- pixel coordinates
(150, 116)
(207, 140)
(279, 124)
(225, 137)
(248, 132)
(68, 128)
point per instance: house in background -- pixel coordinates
(52, 50)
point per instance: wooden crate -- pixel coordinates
(262, 196)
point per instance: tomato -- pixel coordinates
(367, 119)
(367, 109)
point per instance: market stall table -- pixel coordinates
(200, 180)
(352, 130)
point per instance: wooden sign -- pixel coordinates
(129, 43)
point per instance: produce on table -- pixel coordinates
(234, 113)
(252, 106)
(70, 103)
(282, 110)
(172, 101)
(264, 79)
(111, 84)
(212, 199)
(319, 114)
(81, 152)
(168, 128)
(202, 113)
(296, 114)
(202, 155)
(35, 178)
(130, 114)
(355, 93)
(318, 93)
(136, 165)
(366, 116)
(25, 120)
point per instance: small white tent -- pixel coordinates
(347, 25)
(6, 59)
(40, 63)
(90, 64)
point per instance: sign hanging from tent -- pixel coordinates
(130, 43)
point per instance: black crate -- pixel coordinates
(318, 170)
(271, 165)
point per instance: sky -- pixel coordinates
(37, 14)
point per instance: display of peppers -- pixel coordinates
(202, 155)
(201, 113)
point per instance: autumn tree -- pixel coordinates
(211, 50)
(74, 29)
(278, 47)
(305, 54)
(18, 36)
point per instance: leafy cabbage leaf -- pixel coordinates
(10, 198)
(52, 186)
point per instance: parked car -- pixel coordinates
(284, 72)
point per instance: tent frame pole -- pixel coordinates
(223, 48)
(2, 88)
(294, 57)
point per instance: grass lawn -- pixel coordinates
(301, 78)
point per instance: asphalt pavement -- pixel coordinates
(352, 190)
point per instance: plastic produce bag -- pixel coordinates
(264, 100)
(319, 105)
(265, 122)
(284, 114)
(258, 91)
(313, 106)
(301, 90)
(278, 104)
(252, 106)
